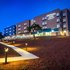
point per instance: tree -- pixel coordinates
(34, 28)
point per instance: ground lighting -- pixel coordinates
(6, 50)
(26, 44)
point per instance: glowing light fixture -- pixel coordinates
(52, 30)
(6, 50)
(64, 31)
(26, 44)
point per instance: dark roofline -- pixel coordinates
(22, 22)
(47, 13)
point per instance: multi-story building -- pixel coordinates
(21, 28)
(54, 23)
(10, 31)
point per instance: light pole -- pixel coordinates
(6, 50)
(26, 44)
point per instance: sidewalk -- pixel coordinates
(24, 54)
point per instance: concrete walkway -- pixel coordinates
(24, 54)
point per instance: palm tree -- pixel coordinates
(33, 28)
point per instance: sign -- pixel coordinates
(51, 16)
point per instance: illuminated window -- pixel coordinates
(34, 21)
(64, 14)
(6, 32)
(43, 18)
(58, 25)
(9, 28)
(25, 27)
(25, 23)
(58, 20)
(57, 14)
(9, 31)
(25, 31)
(13, 27)
(44, 27)
(9, 34)
(19, 32)
(64, 20)
(19, 25)
(13, 30)
(44, 23)
(19, 28)
(64, 25)
(6, 29)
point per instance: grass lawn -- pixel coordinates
(11, 52)
(54, 54)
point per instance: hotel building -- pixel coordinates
(53, 23)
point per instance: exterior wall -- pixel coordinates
(21, 28)
(49, 20)
(57, 19)
(9, 31)
(65, 21)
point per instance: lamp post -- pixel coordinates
(6, 50)
(26, 44)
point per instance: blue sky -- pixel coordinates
(15, 11)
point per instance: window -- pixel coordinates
(64, 25)
(58, 25)
(52, 30)
(34, 21)
(44, 23)
(9, 28)
(6, 29)
(6, 32)
(19, 32)
(58, 20)
(25, 23)
(9, 31)
(43, 18)
(19, 25)
(64, 14)
(25, 27)
(13, 33)
(13, 27)
(13, 30)
(9, 34)
(57, 14)
(25, 31)
(44, 27)
(64, 20)
(19, 28)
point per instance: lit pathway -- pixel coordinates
(24, 54)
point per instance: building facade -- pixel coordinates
(54, 23)
(21, 28)
(10, 31)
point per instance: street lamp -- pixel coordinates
(6, 50)
(26, 44)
